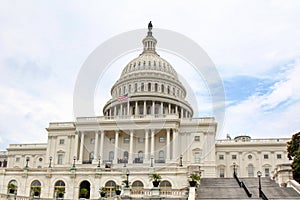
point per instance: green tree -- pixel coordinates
(293, 150)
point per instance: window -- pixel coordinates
(174, 91)
(197, 157)
(266, 156)
(137, 185)
(111, 155)
(129, 88)
(40, 159)
(59, 159)
(161, 139)
(250, 170)
(278, 156)
(165, 185)
(91, 156)
(168, 89)
(141, 155)
(125, 154)
(135, 87)
(149, 87)
(59, 189)
(35, 189)
(61, 141)
(12, 187)
(267, 172)
(161, 155)
(17, 159)
(92, 141)
(112, 140)
(249, 157)
(221, 157)
(141, 140)
(197, 138)
(142, 87)
(233, 157)
(126, 140)
(156, 87)
(222, 172)
(162, 88)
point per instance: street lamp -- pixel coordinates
(234, 172)
(27, 160)
(180, 164)
(74, 158)
(259, 184)
(50, 159)
(127, 175)
(151, 164)
(99, 160)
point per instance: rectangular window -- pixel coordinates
(233, 157)
(92, 141)
(197, 157)
(266, 156)
(61, 141)
(135, 87)
(222, 172)
(197, 138)
(126, 140)
(267, 172)
(161, 139)
(112, 140)
(141, 140)
(17, 159)
(221, 157)
(59, 159)
(278, 156)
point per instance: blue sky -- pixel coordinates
(254, 45)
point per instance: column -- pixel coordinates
(161, 108)
(102, 145)
(169, 108)
(115, 110)
(181, 112)
(76, 145)
(96, 153)
(121, 110)
(128, 108)
(136, 108)
(146, 145)
(168, 145)
(116, 147)
(81, 147)
(176, 109)
(174, 142)
(152, 143)
(131, 147)
(145, 109)
(153, 107)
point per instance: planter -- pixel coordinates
(118, 192)
(11, 191)
(155, 183)
(193, 183)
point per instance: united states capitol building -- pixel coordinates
(147, 127)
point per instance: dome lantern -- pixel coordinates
(149, 41)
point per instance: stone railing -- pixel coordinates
(164, 193)
(294, 184)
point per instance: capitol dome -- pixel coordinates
(148, 85)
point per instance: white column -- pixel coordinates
(145, 111)
(115, 110)
(146, 145)
(174, 142)
(81, 147)
(161, 108)
(176, 109)
(128, 108)
(96, 153)
(169, 108)
(168, 145)
(76, 145)
(153, 107)
(136, 108)
(181, 112)
(121, 110)
(152, 143)
(102, 144)
(131, 147)
(116, 147)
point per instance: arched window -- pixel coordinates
(165, 185)
(137, 185)
(12, 187)
(111, 156)
(156, 87)
(110, 188)
(59, 189)
(129, 88)
(125, 155)
(142, 87)
(135, 87)
(168, 89)
(84, 189)
(161, 155)
(250, 170)
(149, 87)
(35, 189)
(91, 156)
(162, 88)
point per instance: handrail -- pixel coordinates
(242, 184)
(263, 196)
(246, 189)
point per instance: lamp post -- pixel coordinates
(259, 184)
(180, 164)
(27, 160)
(74, 158)
(99, 160)
(234, 172)
(127, 180)
(50, 159)
(151, 164)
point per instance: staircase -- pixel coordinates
(228, 188)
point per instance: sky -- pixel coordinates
(253, 44)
